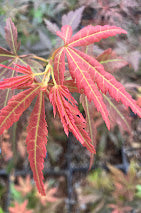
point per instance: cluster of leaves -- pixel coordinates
(25, 196)
(86, 76)
(115, 190)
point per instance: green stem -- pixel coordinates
(40, 58)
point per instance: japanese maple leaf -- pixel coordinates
(88, 77)
(87, 72)
(49, 198)
(24, 185)
(22, 208)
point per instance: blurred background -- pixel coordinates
(114, 182)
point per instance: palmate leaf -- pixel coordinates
(88, 73)
(36, 141)
(71, 118)
(106, 82)
(16, 106)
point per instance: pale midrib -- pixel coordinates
(30, 66)
(108, 61)
(89, 119)
(88, 36)
(36, 136)
(87, 82)
(118, 112)
(58, 64)
(17, 106)
(8, 90)
(5, 55)
(12, 40)
(66, 34)
(112, 85)
(1, 73)
(69, 119)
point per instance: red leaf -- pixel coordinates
(65, 33)
(11, 36)
(22, 69)
(91, 34)
(16, 82)
(7, 93)
(36, 141)
(59, 66)
(105, 81)
(71, 118)
(85, 82)
(16, 106)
